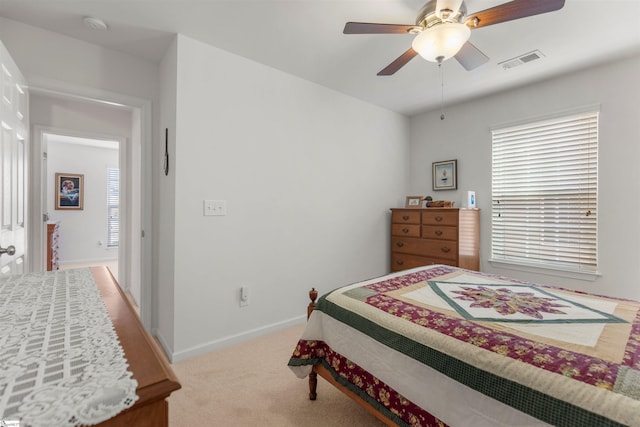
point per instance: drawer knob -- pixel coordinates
(399, 262)
(438, 232)
(400, 244)
(405, 230)
(445, 249)
(438, 218)
(405, 217)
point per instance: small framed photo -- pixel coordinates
(413, 202)
(69, 191)
(445, 175)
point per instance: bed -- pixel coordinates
(73, 352)
(444, 346)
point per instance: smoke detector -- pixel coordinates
(95, 23)
(521, 59)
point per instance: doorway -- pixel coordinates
(99, 117)
(88, 231)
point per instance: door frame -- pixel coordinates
(137, 163)
(39, 240)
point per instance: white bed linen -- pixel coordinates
(452, 402)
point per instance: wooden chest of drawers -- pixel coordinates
(53, 232)
(428, 236)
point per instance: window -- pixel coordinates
(113, 207)
(544, 193)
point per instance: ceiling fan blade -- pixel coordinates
(400, 62)
(369, 28)
(471, 57)
(513, 10)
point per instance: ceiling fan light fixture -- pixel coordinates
(440, 42)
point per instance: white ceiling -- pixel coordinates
(304, 38)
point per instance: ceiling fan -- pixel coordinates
(443, 29)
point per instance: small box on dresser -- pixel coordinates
(428, 236)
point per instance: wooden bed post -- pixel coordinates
(313, 376)
(313, 295)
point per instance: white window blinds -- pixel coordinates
(113, 207)
(544, 193)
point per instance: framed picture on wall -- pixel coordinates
(445, 175)
(69, 191)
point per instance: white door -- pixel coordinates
(14, 120)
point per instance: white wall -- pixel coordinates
(309, 176)
(465, 135)
(81, 231)
(164, 199)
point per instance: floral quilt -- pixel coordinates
(559, 356)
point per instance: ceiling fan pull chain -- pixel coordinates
(441, 91)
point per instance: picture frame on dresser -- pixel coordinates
(69, 189)
(445, 175)
(413, 202)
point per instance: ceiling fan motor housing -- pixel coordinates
(428, 15)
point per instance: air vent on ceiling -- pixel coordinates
(522, 59)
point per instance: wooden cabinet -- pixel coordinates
(147, 363)
(53, 231)
(428, 236)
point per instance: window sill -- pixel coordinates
(542, 269)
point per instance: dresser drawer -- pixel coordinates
(408, 230)
(405, 216)
(445, 249)
(440, 232)
(440, 217)
(406, 261)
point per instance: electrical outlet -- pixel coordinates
(215, 207)
(244, 296)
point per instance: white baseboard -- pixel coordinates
(88, 261)
(230, 340)
(163, 344)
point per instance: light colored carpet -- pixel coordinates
(113, 266)
(250, 385)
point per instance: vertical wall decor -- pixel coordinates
(445, 175)
(166, 151)
(69, 191)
